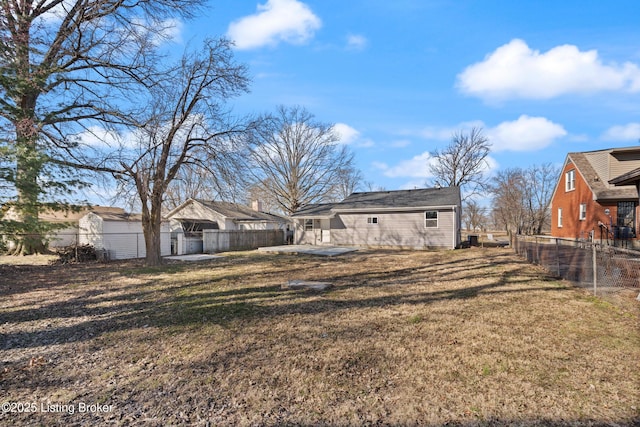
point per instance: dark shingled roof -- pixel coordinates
(239, 212)
(316, 210)
(446, 196)
(387, 200)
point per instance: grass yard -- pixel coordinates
(471, 337)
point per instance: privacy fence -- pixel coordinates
(238, 240)
(597, 266)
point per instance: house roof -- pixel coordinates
(423, 197)
(629, 178)
(386, 200)
(118, 216)
(72, 215)
(232, 211)
(318, 210)
(597, 178)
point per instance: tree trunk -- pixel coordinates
(152, 243)
(29, 164)
(29, 160)
(151, 226)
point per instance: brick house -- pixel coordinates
(589, 196)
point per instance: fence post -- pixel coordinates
(558, 256)
(595, 269)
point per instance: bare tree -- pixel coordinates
(195, 182)
(509, 200)
(541, 181)
(473, 215)
(186, 126)
(63, 66)
(463, 162)
(348, 180)
(297, 159)
(370, 186)
(522, 197)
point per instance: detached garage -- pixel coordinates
(119, 235)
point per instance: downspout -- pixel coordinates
(455, 228)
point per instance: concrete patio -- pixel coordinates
(308, 249)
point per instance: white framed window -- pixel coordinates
(559, 217)
(308, 225)
(570, 180)
(583, 211)
(431, 219)
(372, 220)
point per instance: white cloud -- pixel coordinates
(524, 134)
(346, 133)
(163, 31)
(56, 14)
(171, 30)
(98, 137)
(290, 21)
(351, 136)
(356, 42)
(416, 167)
(628, 132)
(514, 70)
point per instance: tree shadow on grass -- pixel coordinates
(192, 304)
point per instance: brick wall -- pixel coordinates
(569, 201)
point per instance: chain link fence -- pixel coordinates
(600, 267)
(130, 245)
(108, 246)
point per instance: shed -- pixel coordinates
(119, 235)
(67, 220)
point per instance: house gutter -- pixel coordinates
(372, 209)
(313, 216)
(391, 209)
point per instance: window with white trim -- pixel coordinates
(570, 180)
(308, 225)
(559, 217)
(583, 211)
(372, 220)
(431, 219)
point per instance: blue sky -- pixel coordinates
(542, 78)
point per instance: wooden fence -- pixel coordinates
(240, 240)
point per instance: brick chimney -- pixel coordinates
(256, 205)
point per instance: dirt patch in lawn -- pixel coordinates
(471, 337)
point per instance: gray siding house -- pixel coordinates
(413, 219)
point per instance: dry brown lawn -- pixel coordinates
(472, 337)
